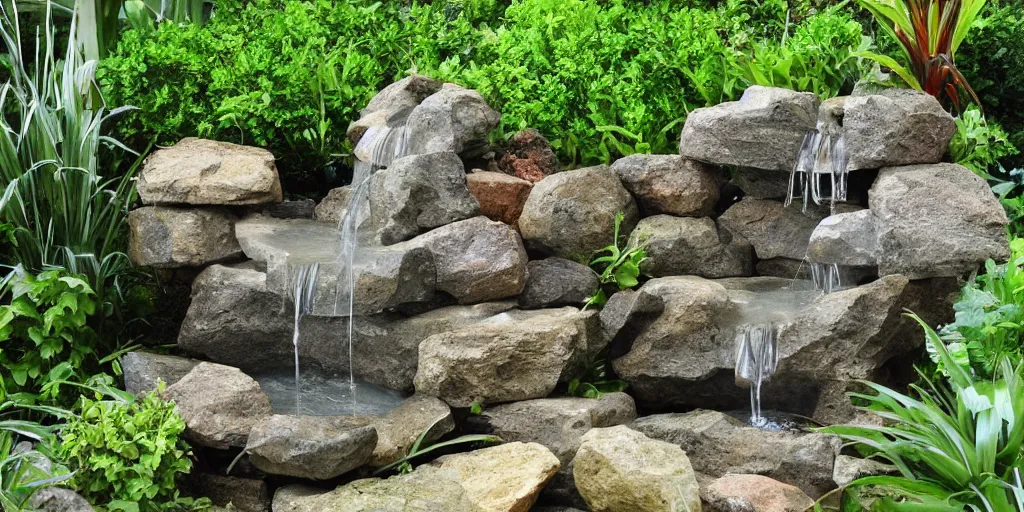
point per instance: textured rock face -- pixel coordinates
(220, 405)
(418, 193)
(393, 100)
(718, 444)
(572, 214)
(512, 356)
(450, 120)
(556, 423)
(554, 282)
(758, 184)
(175, 237)
(754, 493)
(503, 478)
(774, 230)
(846, 239)
(58, 499)
(669, 184)
(316, 447)
(333, 207)
(763, 130)
(895, 127)
(688, 246)
(427, 489)
(501, 196)
(621, 470)
(529, 157)
(143, 370)
(476, 259)
(848, 469)
(936, 220)
(199, 171)
(399, 429)
(244, 494)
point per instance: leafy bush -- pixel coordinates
(618, 266)
(127, 454)
(25, 471)
(978, 144)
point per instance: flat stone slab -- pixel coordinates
(205, 172)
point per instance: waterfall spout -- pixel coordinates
(303, 289)
(825, 277)
(820, 173)
(756, 358)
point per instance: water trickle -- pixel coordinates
(303, 289)
(825, 277)
(820, 173)
(756, 359)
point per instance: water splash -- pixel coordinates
(820, 173)
(303, 290)
(757, 357)
(825, 277)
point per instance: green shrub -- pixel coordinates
(23, 472)
(978, 144)
(128, 454)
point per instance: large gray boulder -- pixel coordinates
(428, 489)
(763, 130)
(554, 282)
(166, 237)
(452, 119)
(754, 493)
(621, 470)
(392, 102)
(315, 447)
(572, 214)
(200, 172)
(669, 184)
(895, 127)
(774, 230)
(476, 260)
(512, 356)
(507, 477)
(399, 429)
(691, 246)
(418, 193)
(847, 239)
(718, 444)
(143, 370)
(219, 404)
(936, 220)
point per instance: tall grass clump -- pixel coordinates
(60, 210)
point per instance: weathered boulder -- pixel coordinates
(691, 246)
(774, 230)
(556, 423)
(621, 470)
(718, 444)
(572, 214)
(512, 356)
(529, 156)
(418, 193)
(143, 370)
(503, 478)
(554, 282)
(166, 237)
(845, 239)
(334, 206)
(754, 493)
(501, 196)
(669, 184)
(392, 101)
(936, 220)
(315, 447)
(895, 127)
(200, 171)
(476, 259)
(58, 499)
(763, 130)
(848, 469)
(244, 494)
(220, 405)
(450, 120)
(399, 429)
(759, 184)
(427, 489)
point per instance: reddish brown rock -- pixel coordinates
(754, 493)
(501, 196)
(529, 157)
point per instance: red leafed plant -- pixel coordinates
(929, 31)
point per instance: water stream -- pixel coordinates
(756, 359)
(303, 288)
(825, 277)
(820, 174)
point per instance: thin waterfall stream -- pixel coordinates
(820, 174)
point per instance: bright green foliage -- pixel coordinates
(978, 144)
(44, 334)
(596, 380)
(617, 265)
(128, 454)
(21, 471)
(989, 318)
(955, 447)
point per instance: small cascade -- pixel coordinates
(756, 359)
(825, 277)
(303, 288)
(820, 173)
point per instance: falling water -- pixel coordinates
(303, 288)
(756, 358)
(825, 277)
(820, 172)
